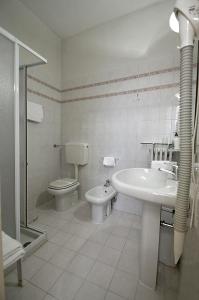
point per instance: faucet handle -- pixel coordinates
(107, 183)
(175, 167)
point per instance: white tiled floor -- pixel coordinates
(84, 261)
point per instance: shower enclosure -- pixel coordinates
(7, 136)
(15, 58)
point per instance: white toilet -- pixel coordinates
(100, 199)
(65, 192)
(65, 189)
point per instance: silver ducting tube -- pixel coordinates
(182, 202)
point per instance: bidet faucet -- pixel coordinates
(107, 183)
(174, 174)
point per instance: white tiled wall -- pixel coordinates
(112, 126)
(116, 126)
(43, 158)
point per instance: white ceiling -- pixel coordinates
(69, 17)
(131, 36)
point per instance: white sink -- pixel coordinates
(146, 184)
(154, 189)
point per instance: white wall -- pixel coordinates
(22, 23)
(119, 43)
(111, 126)
(131, 45)
(115, 126)
(112, 50)
(43, 159)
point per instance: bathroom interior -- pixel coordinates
(99, 150)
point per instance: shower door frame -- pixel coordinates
(17, 44)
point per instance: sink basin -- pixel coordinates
(146, 184)
(154, 189)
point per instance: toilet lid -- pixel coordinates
(62, 183)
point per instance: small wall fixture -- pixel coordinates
(35, 112)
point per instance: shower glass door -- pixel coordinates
(23, 144)
(7, 135)
(14, 60)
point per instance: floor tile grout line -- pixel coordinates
(60, 277)
(47, 294)
(115, 270)
(35, 285)
(44, 262)
(83, 282)
(86, 278)
(79, 253)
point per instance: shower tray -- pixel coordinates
(32, 239)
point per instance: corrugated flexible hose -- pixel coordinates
(182, 202)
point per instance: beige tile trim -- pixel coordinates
(116, 80)
(128, 92)
(114, 94)
(107, 95)
(43, 95)
(44, 83)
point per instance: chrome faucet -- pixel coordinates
(107, 183)
(173, 173)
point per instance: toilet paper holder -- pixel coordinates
(102, 159)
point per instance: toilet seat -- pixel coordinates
(63, 183)
(65, 193)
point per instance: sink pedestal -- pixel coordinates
(149, 244)
(154, 189)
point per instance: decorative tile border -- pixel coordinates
(43, 95)
(121, 79)
(107, 95)
(131, 77)
(116, 80)
(128, 92)
(44, 83)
